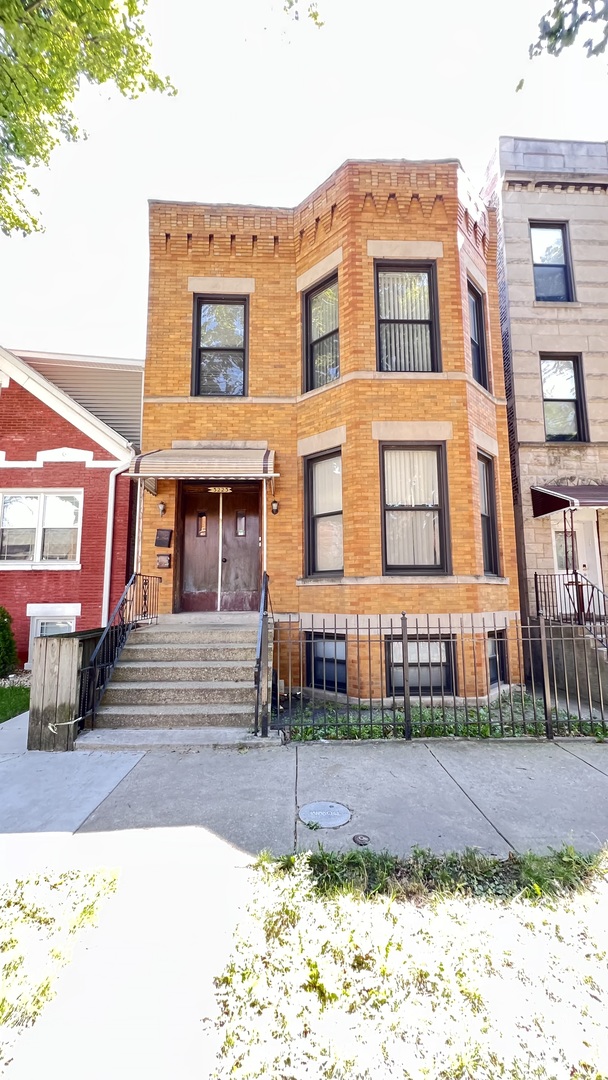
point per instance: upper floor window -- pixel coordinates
(324, 513)
(322, 335)
(487, 505)
(40, 527)
(406, 317)
(562, 399)
(478, 337)
(414, 509)
(552, 273)
(220, 346)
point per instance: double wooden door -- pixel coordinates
(221, 548)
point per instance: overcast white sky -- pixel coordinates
(266, 110)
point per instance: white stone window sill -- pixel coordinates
(557, 304)
(39, 565)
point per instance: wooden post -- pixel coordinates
(54, 693)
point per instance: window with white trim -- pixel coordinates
(48, 626)
(40, 527)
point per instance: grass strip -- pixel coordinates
(424, 875)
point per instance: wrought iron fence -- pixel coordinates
(360, 677)
(263, 665)
(573, 599)
(138, 604)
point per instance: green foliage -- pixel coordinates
(47, 47)
(511, 715)
(8, 648)
(292, 7)
(332, 984)
(425, 874)
(38, 918)
(566, 19)
(13, 700)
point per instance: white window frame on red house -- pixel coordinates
(42, 613)
(38, 563)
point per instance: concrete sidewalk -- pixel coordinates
(180, 829)
(442, 794)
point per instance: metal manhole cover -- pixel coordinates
(326, 815)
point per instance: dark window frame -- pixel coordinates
(334, 687)
(489, 540)
(500, 661)
(449, 685)
(310, 518)
(444, 517)
(205, 298)
(429, 267)
(581, 406)
(480, 305)
(308, 366)
(563, 225)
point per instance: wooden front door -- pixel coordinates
(221, 548)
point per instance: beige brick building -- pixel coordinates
(324, 400)
(553, 201)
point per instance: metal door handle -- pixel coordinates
(224, 560)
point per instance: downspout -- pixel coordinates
(107, 566)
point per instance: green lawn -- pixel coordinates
(456, 967)
(13, 700)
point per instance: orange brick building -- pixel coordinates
(324, 400)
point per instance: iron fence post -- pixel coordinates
(264, 674)
(546, 679)
(407, 705)
(536, 593)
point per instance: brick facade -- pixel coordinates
(425, 204)
(27, 426)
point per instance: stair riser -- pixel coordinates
(186, 637)
(123, 694)
(125, 674)
(180, 720)
(166, 653)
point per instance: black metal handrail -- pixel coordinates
(573, 598)
(138, 604)
(263, 671)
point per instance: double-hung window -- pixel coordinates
(550, 256)
(414, 509)
(322, 335)
(406, 317)
(563, 399)
(324, 512)
(40, 527)
(478, 337)
(220, 347)
(430, 666)
(487, 505)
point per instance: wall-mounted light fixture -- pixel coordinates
(274, 506)
(161, 508)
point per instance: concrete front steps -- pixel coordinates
(181, 738)
(189, 671)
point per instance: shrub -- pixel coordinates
(8, 648)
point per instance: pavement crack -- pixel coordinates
(584, 760)
(472, 801)
(106, 797)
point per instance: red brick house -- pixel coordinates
(67, 517)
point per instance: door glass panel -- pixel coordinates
(241, 523)
(201, 524)
(566, 544)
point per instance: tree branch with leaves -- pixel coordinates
(47, 48)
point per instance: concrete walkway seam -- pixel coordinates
(584, 760)
(119, 782)
(472, 801)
